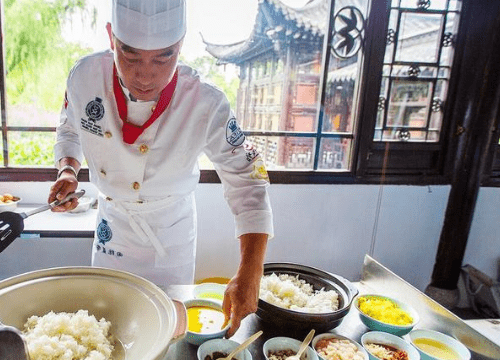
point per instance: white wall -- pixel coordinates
(483, 247)
(330, 227)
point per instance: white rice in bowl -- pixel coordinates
(290, 292)
(68, 336)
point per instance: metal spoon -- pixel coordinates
(243, 345)
(12, 344)
(303, 346)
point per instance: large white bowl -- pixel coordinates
(380, 337)
(144, 320)
(224, 346)
(455, 345)
(287, 343)
(333, 335)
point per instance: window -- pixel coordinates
(327, 90)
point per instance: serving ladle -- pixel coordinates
(12, 344)
(302, 347)
(243, 345)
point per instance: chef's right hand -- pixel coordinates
(66, 184)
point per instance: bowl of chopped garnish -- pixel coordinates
(333, 346)
(384, 346)
(301, 298)
(383, 313)
(281, 347)
(219, 349)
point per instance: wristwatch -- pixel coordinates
(67, 167)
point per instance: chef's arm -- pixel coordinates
(242, 292)
(65, 184)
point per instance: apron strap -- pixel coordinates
(143, 230)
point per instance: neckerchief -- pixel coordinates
(130, 131)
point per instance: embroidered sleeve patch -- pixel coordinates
(259, 170)
(234, 135)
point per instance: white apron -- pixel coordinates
(161, 164)
(153, 239)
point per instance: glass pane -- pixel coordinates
(409, 103)
(412, 45)
(449, 39)
(414, 85)
(284, 153)
(335, 154)
(391, 36)
(421, 71)
(344, 64)
(424, 4)
(31, 148)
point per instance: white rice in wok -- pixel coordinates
(290, 292)
(68, 336)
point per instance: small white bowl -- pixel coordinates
(380, 337)
(287, 343)
(211, 291)
(454, 344)
(199, 338)
(84, 204)
(9, 206)
(333, 335)
(224, 346)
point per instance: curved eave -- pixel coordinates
(305, 19)
(311, 17)
(238, 52)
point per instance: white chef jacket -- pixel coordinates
(147, 218)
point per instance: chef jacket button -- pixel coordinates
(153, 108)
(143, 148)
(108, 198)
(108, 134)
(103, 173)
(136, 186)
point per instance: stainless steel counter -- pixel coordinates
(375, 279)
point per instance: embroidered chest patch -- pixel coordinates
(104, 233)
(95, 112)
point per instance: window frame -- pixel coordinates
(370, 165)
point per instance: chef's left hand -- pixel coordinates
(242, 291)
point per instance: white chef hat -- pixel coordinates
(149, 24)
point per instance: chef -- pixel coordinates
(140, 119)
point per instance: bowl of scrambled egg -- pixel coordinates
(383, 313)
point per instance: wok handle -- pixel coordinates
(181, 325)
(53, 204)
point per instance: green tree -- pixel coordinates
(207, 66)
(37, 57)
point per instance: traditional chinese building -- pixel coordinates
(281, 67)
